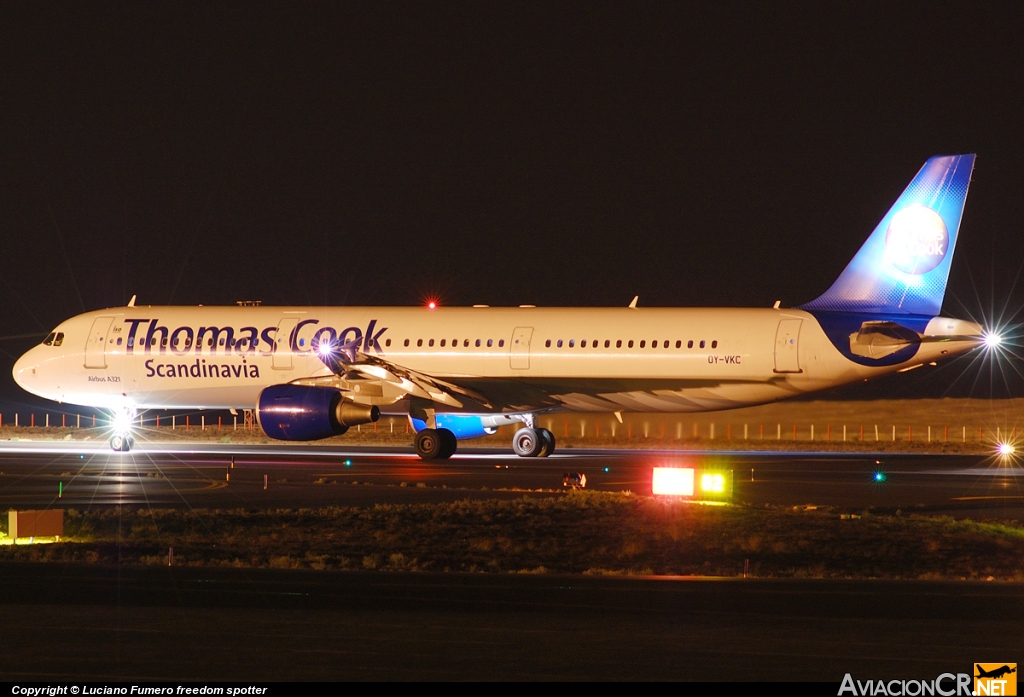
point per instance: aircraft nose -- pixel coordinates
(26, 370)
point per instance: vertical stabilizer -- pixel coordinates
(903, 266)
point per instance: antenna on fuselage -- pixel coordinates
(131, 303)
(633, 304)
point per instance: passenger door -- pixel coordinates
(787, 346)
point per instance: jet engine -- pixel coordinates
(299, 412)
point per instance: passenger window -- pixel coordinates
(388, 342)
(478, 343)
(583, 344)
(131, 341)
(60, 339)
(679, 344)
(595, 343)
(163, 342)
(465, 343)
(419, 342)
(714, 344)
(501, 342)
(643, 344)
(406, 343)
(56, 342)
(430, 343)
(231, 341)
(442, 343)
(490, 343)
(618, 344)
(607, 343)
(702, 343)
(188, 342)
(210, 341)
(630, 343)
(666, 344)
(559, 343)
(689, 344)
(572, 343)
(547, 344)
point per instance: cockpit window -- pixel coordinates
(59, 339)
(48, 341)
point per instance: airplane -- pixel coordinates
(462, 372)
(995, 673)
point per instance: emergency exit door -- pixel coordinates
(519, 349)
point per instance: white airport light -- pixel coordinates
(1006, 449)
(672, 481)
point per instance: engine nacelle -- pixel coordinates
(299, 412)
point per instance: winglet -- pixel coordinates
(633, 304)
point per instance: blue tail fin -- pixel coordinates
(903, 266)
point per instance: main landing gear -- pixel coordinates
(436, 444)
(440, 443)
(533, 442)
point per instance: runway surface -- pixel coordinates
(99, 623)
(33, 474)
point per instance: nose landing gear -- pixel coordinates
(121, 443)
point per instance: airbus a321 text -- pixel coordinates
(313, 372)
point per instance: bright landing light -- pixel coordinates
(1006, 449)
(993, 340)
(672, 481)
(121, 421)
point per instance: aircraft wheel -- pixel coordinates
(527, 442)
(449, 443)
(121, 444)
(429, 444)
(549, 442)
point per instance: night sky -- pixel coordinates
(499, 153)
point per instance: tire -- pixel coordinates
(549, 442)
(449, 443)
(527, 442)
(117, 443)
(429, 444)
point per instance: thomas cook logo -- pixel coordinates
(916, 240)
(995, 679)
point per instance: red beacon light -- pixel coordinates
(431, 305)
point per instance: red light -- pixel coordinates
(431, 305)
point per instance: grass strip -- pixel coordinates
(577, 533)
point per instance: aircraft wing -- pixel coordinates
(355, 371)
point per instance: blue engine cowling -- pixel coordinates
(298, 412)
(462, 425)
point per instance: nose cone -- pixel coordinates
(26, 371)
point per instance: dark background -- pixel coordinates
(551, 153)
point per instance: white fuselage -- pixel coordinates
(523, 359)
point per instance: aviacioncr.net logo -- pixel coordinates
(917, 239)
